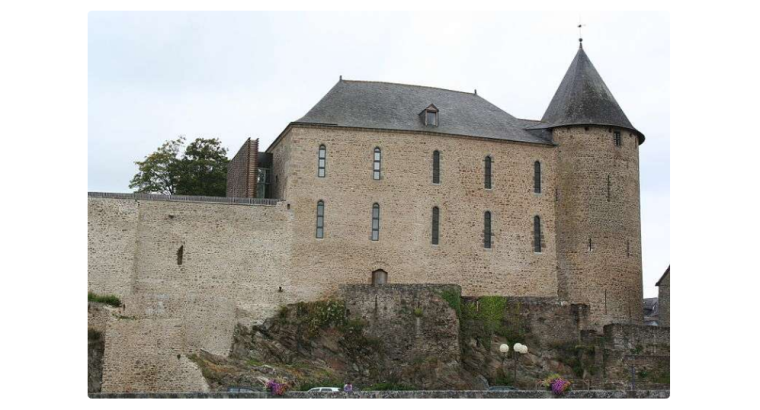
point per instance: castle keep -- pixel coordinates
(378, 183)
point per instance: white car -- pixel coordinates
(325, 389)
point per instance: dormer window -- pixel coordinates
(430, 116)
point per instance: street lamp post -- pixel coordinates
(521, 349)
(504, 349)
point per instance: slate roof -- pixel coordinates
(389, 106)
(651, 307)
(583, 99)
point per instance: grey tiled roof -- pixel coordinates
(583, 99)
(390, 106)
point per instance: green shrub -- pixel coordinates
(417, 312)
(454, 299)
(106, 299)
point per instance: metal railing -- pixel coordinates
(186, 198)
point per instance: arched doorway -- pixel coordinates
(379, 277)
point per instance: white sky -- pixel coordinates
(233, 75)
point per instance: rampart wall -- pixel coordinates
(186, 272)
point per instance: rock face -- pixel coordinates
(428, 337)
(405, 336)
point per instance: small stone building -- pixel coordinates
(664, 298)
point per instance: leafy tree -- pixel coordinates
(200, 170)
(158, 173)
(203, 169)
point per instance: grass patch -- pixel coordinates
(454, 299)
(112, 300)
(254, 363)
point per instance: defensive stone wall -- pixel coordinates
(641, 339)
(636, 354)
(187, 273)
(417, 394)
(413, 321)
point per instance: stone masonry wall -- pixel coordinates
(664, 301)
(413, 321)
(643, 349)
(598, 200)
(406, 196)
(194, 270)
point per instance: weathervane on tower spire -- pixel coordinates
(580, 35)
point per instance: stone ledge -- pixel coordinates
(416, 394)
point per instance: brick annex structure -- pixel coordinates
(378, 183)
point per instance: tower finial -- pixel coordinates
(580, 34)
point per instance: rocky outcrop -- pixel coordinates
(428, 337)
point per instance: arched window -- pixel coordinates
(376, 164)
(436, 215)
(375, 222)
(537, 234)
(487, 230)
(320, 219)
(322, 158)
(487, 175)
(537, 177)
(436, 167)
(379, 277)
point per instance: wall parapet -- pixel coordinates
(414, 394)
(186, 198)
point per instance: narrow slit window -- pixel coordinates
(375, 222)
(487, 230)
(436, 167)
(321, 161)
(537, 177)
(618, 139)
(376, 164)
(537, 234)
(609, 188)
(320, 219)
(180, 254)
(628, 248)
(487, 175)
(436, 218)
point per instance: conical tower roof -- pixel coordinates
(583, 99)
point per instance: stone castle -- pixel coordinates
(377, 183)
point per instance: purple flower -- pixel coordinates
(559, 386)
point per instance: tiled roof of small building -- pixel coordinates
(389, 106)
(583, 99)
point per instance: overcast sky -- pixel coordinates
(232, 75)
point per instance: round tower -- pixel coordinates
(597, 199)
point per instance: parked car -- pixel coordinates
(324, 389)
